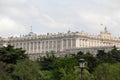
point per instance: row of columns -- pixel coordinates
(46, 45)
(93, 43)
(59, 44)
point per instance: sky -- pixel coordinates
(53, 16)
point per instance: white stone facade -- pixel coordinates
(40, 44)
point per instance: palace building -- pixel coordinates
(62, 43)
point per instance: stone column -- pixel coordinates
(37, 49)
(66, 43)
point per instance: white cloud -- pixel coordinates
(50, 22)
(8, 25)
(109, 3)
(58, 15)
(12, 1)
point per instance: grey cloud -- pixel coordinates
(60, 15)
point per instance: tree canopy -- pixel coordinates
(15, 65)
(10, 55)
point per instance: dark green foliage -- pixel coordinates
(4, 75)
(115, 54)
(47, 61)
(107, 71)
(10, 55)
(64, 66)
(67, 67)
(89, 58)
(67, 62)
(15, 65)
(92, 61)
(112, 56)
(26, 70)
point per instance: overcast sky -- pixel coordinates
(16, 16)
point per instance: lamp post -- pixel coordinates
(82, 66)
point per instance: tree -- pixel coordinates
(101, 56)
(3, 72)
(26, 70)
(107, 71)
(112, 56)
(70, 75)
(115, 54)
(8, 58)
(10, 55)
(46, 61)
(92, 61)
